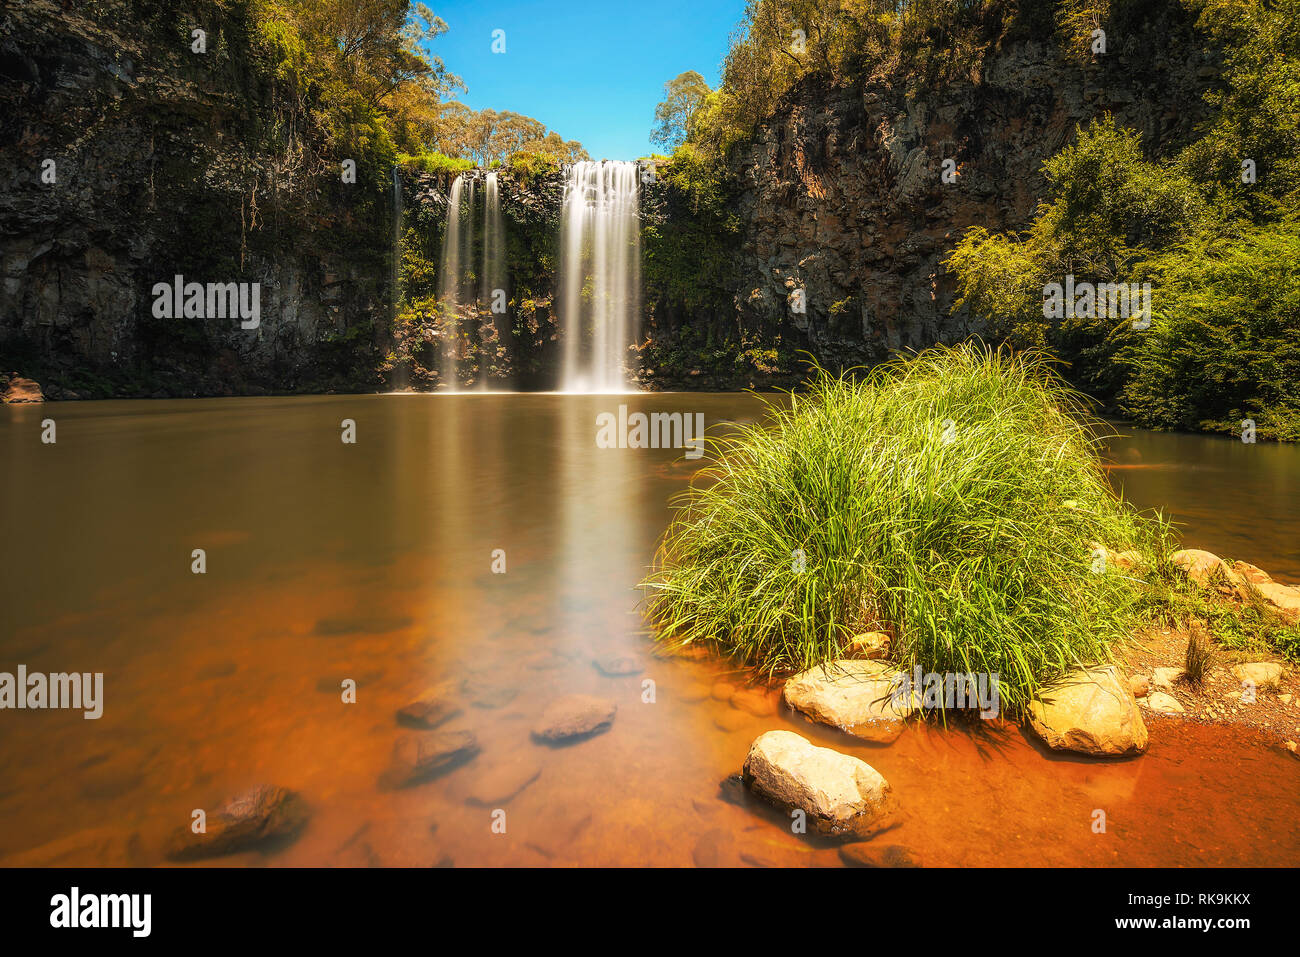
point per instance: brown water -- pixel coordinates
(373, 561)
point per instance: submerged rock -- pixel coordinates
(755, 701)
(249, 820)
(1263, 674)
(503, 781)
(715, 848)
(732, 720)
(436, 707)
(722, 691)
(95, 847)
(731, 789)
(486, 694)
(574, 716)
(618, 666)
(864, 854)
(421, 757)
(762, 850)
(113, 773)
(842, 795)
(1091, 712)
(854, 696)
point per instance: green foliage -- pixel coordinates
(1258, 116)
(780, 42)
(529, 167)
(1107, 207)
(1220, 254)
(1108, 201)
(1000, 278)
(973, 552)
(488, 136)
(1076, 20)
(689, 258)
(353, 72)
(683, 97)
(435, 163)
(1250, 625)
(359, 73)
(1224, 342)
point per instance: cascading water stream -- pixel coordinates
(396, 274)
(468, 294)
(492, 280)
(600, 275)
(457, 254)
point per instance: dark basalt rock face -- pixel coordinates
(168, 162)
(841, 192)
(531, 208)
(172, 163)
(844, 195)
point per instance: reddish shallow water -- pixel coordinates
(373, 562)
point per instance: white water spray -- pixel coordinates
(600, 275)
(457, 254)
(469, 277)
(492, 281)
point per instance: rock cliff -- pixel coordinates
(844, 195)
(126, 159)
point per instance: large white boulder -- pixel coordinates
(1090, 711)
(840, 794)
(860, 697)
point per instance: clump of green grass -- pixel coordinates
(949, 498)
(1199, 655)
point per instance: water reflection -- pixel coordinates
(374, 562)
(1236, 499)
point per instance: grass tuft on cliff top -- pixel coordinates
(949, 498)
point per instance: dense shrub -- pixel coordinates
(950, 499)
(1224, 342)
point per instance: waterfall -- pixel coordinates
(492, 331)
(457, 256)
(600, 275)
(396, 276)
(469, 276)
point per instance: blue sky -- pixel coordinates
(591, 71)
